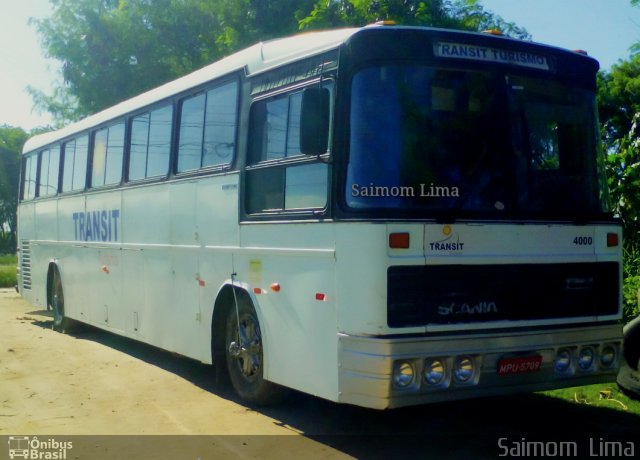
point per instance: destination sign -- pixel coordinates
(486, 54)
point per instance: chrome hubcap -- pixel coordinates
(249, 352)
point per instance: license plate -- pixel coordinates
(519, 365)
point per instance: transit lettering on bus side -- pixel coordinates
(96, 225)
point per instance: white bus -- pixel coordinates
(382, 216)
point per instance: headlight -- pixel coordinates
(586, 358)
(434, 371)
(608, 356)
(563, 360)
(463, 369)
(403, 374)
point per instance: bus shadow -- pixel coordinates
(480, 428)
(201, 375)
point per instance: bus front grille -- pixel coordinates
(454, 294)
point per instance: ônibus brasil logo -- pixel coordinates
(34, 448)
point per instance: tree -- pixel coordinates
(619, 99)
(245, 22)
(111, 50)
(623, 168)
(11, 142)
(453, 14)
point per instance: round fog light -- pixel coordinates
(434, 371)
(563, 360)
(463, 369)
(403, 374)
(585, 359)
(608, 356)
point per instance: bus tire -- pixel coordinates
(56, 302)
(244, 356)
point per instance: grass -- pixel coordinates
(8, 265)
(602, 395)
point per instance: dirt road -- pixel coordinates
(94, 383)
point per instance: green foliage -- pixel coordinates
(12, 138)
(452, 14)
(9, 259)
(112, 50)
(600, 395)
(618, 100)
(623, 171)
(11, 142)
(631, 286)
(8, 265)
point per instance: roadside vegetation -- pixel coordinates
(607, 396)
(8, 264)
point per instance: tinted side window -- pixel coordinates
(191, 129)
(276, 128)
(220, 125)
(150, 144)
(208, 128)
(108, 152)
(49, 171)
(29, 177)
(273, 186)
(74, 170)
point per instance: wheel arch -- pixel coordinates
(224, 302)
(51, 268)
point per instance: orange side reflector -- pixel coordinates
(399, 240)
(275, 287)
(612, 240)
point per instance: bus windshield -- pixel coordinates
(472, 144)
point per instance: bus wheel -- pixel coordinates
(244, 356)
(56, 302)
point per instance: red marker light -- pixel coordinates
(399, 240)
(321, 297)
(612, 240)
(257, 290)
(275, 287)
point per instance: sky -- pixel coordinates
(604, 28)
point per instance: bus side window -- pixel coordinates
(208, 124)
(74, 172)
(220, 125)
(273, 185)
(108, 152)
(49, 170)
(29, 177)
(191, 129)
(150, 144)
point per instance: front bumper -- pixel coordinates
(366, 364)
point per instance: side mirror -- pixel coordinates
(314, 121)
